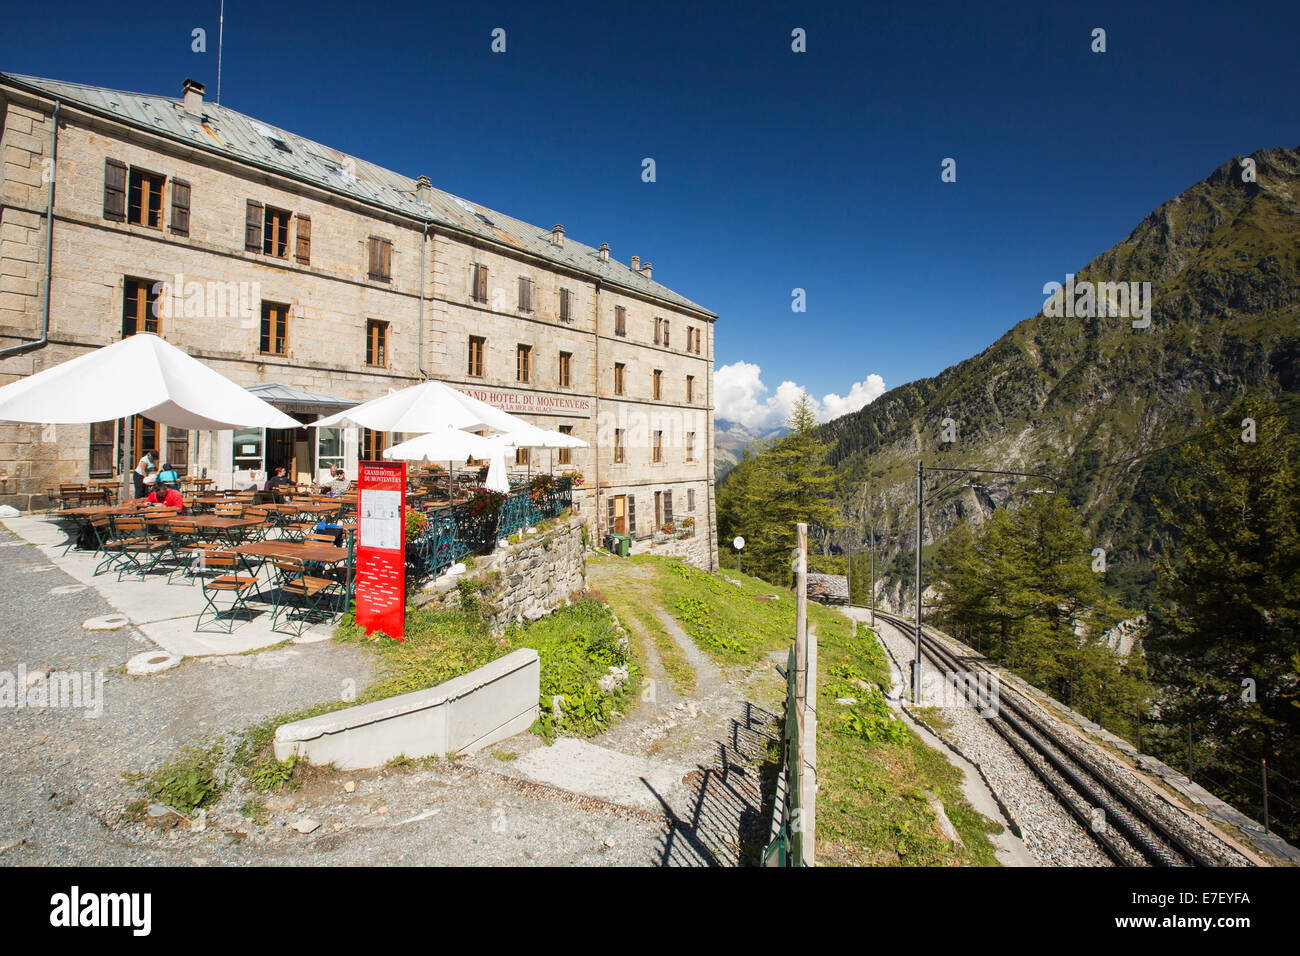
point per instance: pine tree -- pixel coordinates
(1225, 627)
(783, 482)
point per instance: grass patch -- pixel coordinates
(189, 781)
(577, 647)
(505, 756)
(874, 775)
(438, 646)
(628, 597)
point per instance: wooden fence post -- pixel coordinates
(801, 619)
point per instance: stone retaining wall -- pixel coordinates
(522, 581)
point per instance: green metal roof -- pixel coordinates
(230, 133)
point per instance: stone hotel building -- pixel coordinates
(319, 280)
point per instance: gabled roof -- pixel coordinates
(230, 133)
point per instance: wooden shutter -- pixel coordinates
(668, 507)
(253, 227)
(631, 515)
(178, 449)
(610, 525)
(114, 190)
(302, 251)
(386, 258)
(180, 207)
(101, 449)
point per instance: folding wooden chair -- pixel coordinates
(233, 579)
(296, 588)
(132, 548)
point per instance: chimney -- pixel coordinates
(604, 252)
(636, 263)
(424, 191)
(557, 235)
(193, 90)
(645, 270)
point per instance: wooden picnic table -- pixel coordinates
(100, 511)
(316, 551)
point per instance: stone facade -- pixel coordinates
(212, 293)
(522, 581)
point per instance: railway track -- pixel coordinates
(1126, 826)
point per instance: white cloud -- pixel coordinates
(742, 397)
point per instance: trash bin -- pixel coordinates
(624, 545)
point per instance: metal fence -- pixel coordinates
(794, 811)
(451, 533)
(786, 847)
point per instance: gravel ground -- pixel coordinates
(1050, 833)
(65, 791)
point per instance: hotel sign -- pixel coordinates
(533, 403)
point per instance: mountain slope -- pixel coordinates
(1095, 400)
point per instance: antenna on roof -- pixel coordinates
(221, 29)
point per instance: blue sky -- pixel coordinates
(775, 170)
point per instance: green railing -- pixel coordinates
(786, 848)
(451, 533)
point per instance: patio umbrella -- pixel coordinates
(531, 436)
(449, 445)
(423, 408)
(140, 375)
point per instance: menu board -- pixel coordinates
(381, 547)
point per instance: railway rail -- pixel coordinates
(1124, 822)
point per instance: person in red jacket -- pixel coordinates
(162, 495)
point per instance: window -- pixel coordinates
(372, 445)
(329, 450)
(139, 307)
(275, 319)
(525, 294)
(658, 454)
(478, 292)
(381, 259)
(690, 389)
(618, 445)
(144, 199)
(619, 368)
(180, 209)
(690, 446)
(521, 456)
(247, 446)
(275, 233)
(690, 499)
(566, 454)
(566, 305)
(524, 363)
(659, 384)
(376, 342)
(477, 346)
(620, 320)
(566, 369)
(663, 508)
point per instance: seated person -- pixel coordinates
(163, 495)
(278, 481)
(168, 476)
(338, 483)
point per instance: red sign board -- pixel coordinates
(381, 547)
